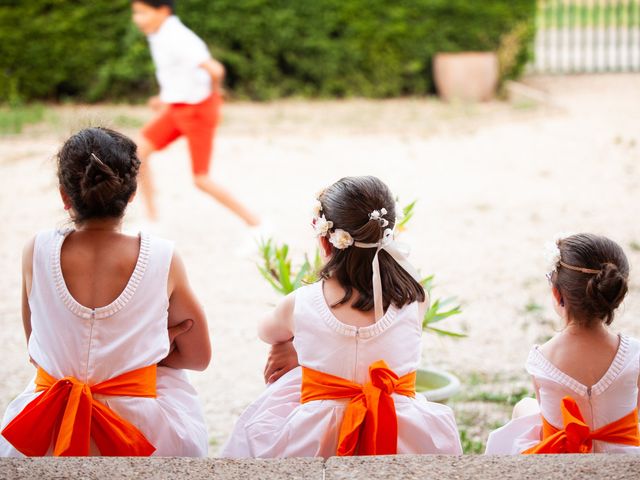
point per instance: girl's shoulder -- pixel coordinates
(633, 344)
(307, 295)
(45, 239)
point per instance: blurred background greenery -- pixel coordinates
(90, 51)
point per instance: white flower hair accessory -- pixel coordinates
(552, 254)
(317, 209)
(378, 215)
(552, 250)
(322, 226)
(341, 239)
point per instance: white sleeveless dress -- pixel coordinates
(613, 397)
(94, 345)
(278, 425)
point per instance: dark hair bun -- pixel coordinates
(606, 289)
(97, 169)
(100, 184)
(592, 298)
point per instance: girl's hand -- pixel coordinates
(192, 348)
(175, 331)
(282, 358)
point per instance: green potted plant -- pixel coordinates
(277, 268)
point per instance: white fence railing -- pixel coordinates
(587, 36)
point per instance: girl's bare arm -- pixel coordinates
(277, 327)
(192, 348)
(27, 277)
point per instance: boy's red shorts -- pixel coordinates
(197, 122)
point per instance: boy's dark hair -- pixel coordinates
(158, 3)
(348, 203)
(97, 168)
(591, 297)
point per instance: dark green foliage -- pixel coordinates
(271, 48)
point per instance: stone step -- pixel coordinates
(423, 467)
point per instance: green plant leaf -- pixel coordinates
(446, 333)
(407, 214)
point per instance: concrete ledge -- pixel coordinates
(480, 467)
(538, 467)
(159, 468)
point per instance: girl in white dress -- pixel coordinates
(586, 377)
(99, 308)
(357, 333)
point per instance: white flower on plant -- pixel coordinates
(341, 239)
(383, 211)
(317, 208)
(322, 226)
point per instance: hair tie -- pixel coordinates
(579, 269)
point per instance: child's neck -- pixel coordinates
(101, 225)
(574, 328)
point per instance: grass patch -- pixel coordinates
(470, 443)
(13, 119)
(533, 307)
(127, 121)
(504, 398)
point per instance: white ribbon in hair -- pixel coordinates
(399, 253)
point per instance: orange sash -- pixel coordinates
(370, 425)
(576, 437)
(67, 413)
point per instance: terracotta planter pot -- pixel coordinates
(466, 76)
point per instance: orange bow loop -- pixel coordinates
(577, 432)
(382, 377)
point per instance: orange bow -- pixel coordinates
(67, 413)
(576, 437)
(370, 424)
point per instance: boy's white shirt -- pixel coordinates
(177, 53)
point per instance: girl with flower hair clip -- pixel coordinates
(357, 334)
(586, 377)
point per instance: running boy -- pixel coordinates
(189, 102)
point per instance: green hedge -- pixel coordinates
(56, 49)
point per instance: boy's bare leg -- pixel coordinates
(221, 194)
(145, 179)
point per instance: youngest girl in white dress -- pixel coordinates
(359, 344)
(586, 378)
